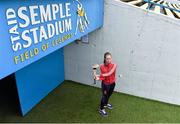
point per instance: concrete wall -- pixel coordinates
(145, 45)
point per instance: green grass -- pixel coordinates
(73, 102)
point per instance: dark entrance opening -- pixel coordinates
(9, 103)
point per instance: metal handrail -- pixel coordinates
(162, 6)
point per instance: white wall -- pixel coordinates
(145, 45)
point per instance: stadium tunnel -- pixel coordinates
(9, 96)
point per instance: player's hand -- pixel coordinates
(96, 77)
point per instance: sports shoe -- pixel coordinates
(109, 106)
(103, 112)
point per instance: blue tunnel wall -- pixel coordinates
(35, 81)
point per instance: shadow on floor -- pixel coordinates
(9, 103)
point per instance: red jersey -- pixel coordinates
(108, 73)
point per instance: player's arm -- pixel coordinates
(110, 72)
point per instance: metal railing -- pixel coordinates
(150, 2)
